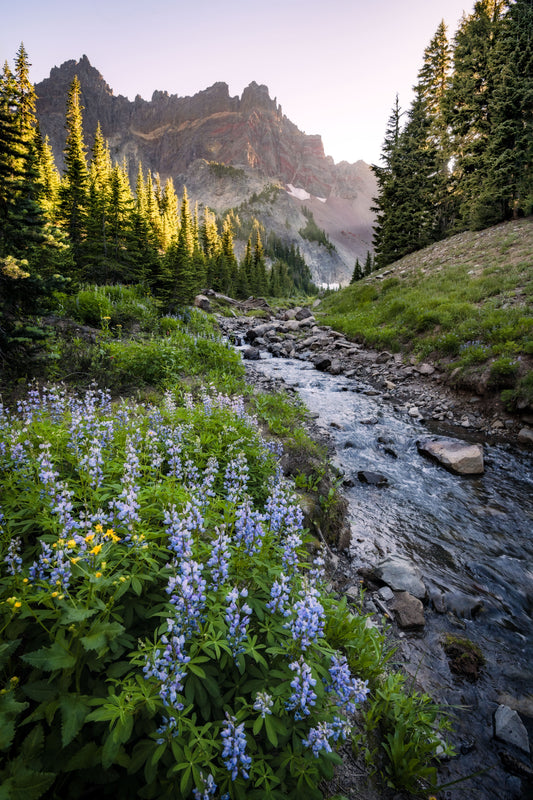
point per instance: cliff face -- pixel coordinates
(168, 134)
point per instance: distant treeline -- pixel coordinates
(89, 226)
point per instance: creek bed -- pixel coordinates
(471, 539)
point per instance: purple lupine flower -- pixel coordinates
(234, 750)
(187, 595)
(168, 666)
(52, 566)
(263, 703)
(249, 528)
(155, 457)
(192, 475)
(350, 691)
(58, 493)
(13, 558)
(307, 623)
(219, 560)
(279, 596)
(205, 491)
(237, 619)
(174, 446)
(126, 506)
(282, 511)
(289, 556)
(179, 534)
(303, 695)
(318, 738)
(207, 790)
(168, 730)
(236, 478)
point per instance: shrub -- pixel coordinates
(503, 373)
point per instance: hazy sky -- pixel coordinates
(334, 65)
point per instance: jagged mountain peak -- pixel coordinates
(169, 134)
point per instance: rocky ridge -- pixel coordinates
(178, 137)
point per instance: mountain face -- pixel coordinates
(180, 137)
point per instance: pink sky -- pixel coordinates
(334, 67)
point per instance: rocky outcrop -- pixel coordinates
(178, 137)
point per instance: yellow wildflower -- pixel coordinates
(97, 574)
(96, 549)
(55, 594)
(98, 528)
(71, 542)
(75, 560)
(18, 604)
(89, 537)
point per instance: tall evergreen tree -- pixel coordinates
(506, 189)
(469, 103)
(75, 183)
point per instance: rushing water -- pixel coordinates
(471, 537)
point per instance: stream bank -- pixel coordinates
(466, 540)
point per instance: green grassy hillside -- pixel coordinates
(465, 302)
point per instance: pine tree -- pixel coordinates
(357, 273)
(433, 85)
(368, 263)
(469, 102)
(74, 186)
(506, 189)
(389, 194)
(95, 247)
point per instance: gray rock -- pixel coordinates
(372, 478)
(303, 313)
(457, 456)
(401, 574)
(201, 301)
(409, 611)
(509, 728)
(321, 362)
(386, 593)
(525, 436)
(425, 369)
(335, 367)
(251, 354)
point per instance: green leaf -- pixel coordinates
(258, 724)
(74, 710)
(73, 614)
(136, 585)
(29, 785)
(270, 731)
(195, 669)
(40, 690)
(7, 649)
(7, 732)
(51, 658)
(85, 758)
(100, 634)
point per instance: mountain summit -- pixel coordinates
(178, 136)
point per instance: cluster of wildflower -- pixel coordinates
(303, 695)
(13, 558)
(249, 528)
(167, 665)
(236, 478)
(350, 691)
(31, 407)
(234, 750)
(155, 457)
(218, 561)
(263, 703)
(60, 496)
(181, 527)
(216, 400)
(282, 511)
(126, 506)
(169, 729)
(237, 620)
(205, 490)
(208, 789)
(307, 622)
(279, 596)
(174, 447)
(53, 565)
(187, 595)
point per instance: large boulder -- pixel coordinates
(457, 456)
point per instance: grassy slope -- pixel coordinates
(466, 302)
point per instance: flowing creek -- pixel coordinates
(471, 539)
